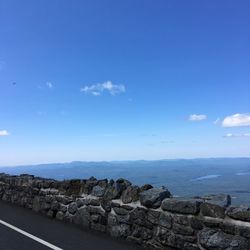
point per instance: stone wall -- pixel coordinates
(145, 215)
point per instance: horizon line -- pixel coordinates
(113, 161)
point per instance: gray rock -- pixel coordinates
(63, 208)
(72, 208)
(153, 216)
(111, 182)
(106, 205)
(112, 220)
(79, 202)
(239, 213)
(217, 240)
(228, 227)
(92, 178)
(91, 201)
(96, 210)
(183, 230)
(55, 206)
(211, 223)
(95, 218)
(120, 211)
(115, 204)
(134, 240)
(116, 228)
(45, 206)
(98, 227)
(165, 220)
(145, 187)
(243, 231)
(127, 207)
(139, 216)
(95, 202)
(51, 213)
(65, 200)
(98, 191)
(120, 231)
(68, 218)
(36, 204)
(212, 210)
(131, 194)
(124, 219)
(154, 244)
(49, 198)
(59, 215)
(215, 205)
(196, 223)
(111, 193)
(153, 197)
(121, 184)
(183, 206)
(82, 217)
(190, 246)
(162, 235)
(75, 187)
(141, 232)
(182, 219)
(89, 185)
(103, 183)
(222, 200)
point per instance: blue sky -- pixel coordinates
(119, 80)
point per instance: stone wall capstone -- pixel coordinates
(145, 215)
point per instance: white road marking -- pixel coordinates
(45, 243)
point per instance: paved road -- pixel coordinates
(63, 236)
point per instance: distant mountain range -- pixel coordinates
(183, 177)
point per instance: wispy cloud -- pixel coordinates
(50, 85)
(4, 133)
(196, 117)
(230, 135)
(216, 121)
(99, 88)
(236, 120)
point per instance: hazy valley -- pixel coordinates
(181, 177)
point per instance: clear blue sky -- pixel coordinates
(119, 80)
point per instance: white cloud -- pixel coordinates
(236, 120)
(195, 117)
(97, 89)
(228, 135)
(49, 85)
(4, 133)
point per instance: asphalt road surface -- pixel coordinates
(22, 229)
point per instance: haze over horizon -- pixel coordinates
(75, 162)
(121, 80)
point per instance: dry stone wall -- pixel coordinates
(145, 215)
